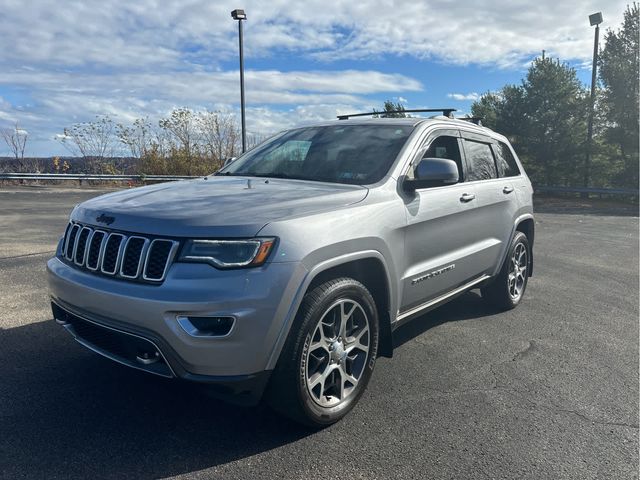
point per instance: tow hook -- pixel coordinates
(147, 358)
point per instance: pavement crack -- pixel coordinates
(496, 385)
(494, 375)
(518, 395)
(531, 346)
(558, 409)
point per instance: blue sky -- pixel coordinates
(306, 61)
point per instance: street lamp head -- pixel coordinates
(595, 19)
(238, 14)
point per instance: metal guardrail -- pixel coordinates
(588, 190)
(169, 178)
(96, 177)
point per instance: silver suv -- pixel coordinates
(285, 274)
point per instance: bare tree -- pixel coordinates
(182, 125)
(220, 134)
(16, 139)
(185, 142)
(255, 139)
(94, 141)
(139, 137)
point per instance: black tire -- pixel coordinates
(288, 392)
(500, 292)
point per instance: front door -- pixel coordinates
(442, 233)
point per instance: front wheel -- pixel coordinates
(507, 289)
(329, 355)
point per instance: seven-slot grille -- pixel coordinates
(130, 257)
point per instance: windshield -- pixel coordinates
(355, 154)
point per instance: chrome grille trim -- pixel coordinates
(141, 257)
(73, 233)
(100, 249)
(65, 239)
(71, 248)
(172, 252)
(77, 244)
(118, 255)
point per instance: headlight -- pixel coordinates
(228, 253)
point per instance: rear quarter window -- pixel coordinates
(505, 161)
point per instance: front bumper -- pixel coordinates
(143, 352)
(259, 299)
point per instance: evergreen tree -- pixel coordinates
(620, 77)
(544, 117)
(391, 110)
(555, 107)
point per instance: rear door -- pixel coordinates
(496, 200)
(442, 229)
(509, 170)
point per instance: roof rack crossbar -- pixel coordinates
(447, 112)
(476, 120)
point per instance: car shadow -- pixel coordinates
(66, 412)
(468, 306)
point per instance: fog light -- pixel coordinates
(206, 326)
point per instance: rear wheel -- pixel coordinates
(507, 290)
(329, 356)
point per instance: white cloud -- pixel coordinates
(275, 99)
(107, 93)
(145, 33)
(464, 96)
(66, 62)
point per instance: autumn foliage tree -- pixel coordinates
(183, 143)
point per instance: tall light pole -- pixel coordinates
(595, 19)
(239, 15)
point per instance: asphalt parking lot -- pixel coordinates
(549, 390)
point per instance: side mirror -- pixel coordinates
(433, 172)
(227, 161)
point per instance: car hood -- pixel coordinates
(213, 207)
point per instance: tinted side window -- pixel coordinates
(446, 146)
(480, 160)
(507, 166)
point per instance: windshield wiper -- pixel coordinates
(238, 174)
(278, 175)
(285, 176)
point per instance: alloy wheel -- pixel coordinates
(338, 353)
(518, 271)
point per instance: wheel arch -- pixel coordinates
(526, 225)
(372, 273)
(370, 269)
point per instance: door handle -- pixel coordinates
(467, 197)
(507, 189)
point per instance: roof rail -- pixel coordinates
(476, 120)
(447, 112)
